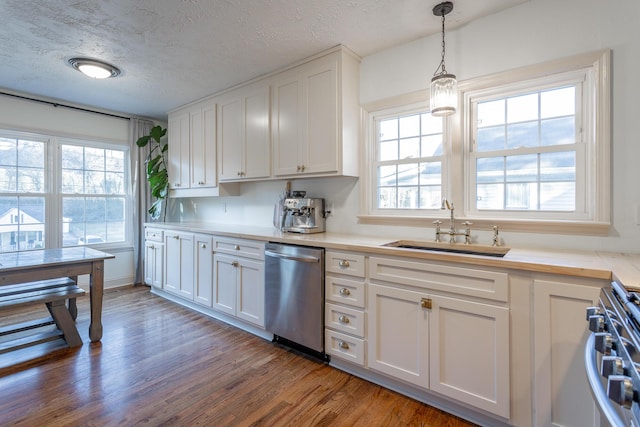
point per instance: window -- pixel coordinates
(409, 153)
(528, 146)
(93, 194)
(88, 206)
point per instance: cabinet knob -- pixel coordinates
(236, 247)
(177, 184)
(152, 247)
(425, 303)
(235, 263)
(200, 182)
(176, 237)
(203, 246)
(343, 345)
(345, 292)
(344, 263)
(343, 319)
(302, 168)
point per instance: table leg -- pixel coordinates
(96, 289)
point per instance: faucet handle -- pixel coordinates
(437, 222)
(496, 238)
(467, 223)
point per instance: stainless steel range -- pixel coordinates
(612, 354)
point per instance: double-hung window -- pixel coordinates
(61, 192)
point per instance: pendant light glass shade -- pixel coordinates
(444, 95)
(444, 87)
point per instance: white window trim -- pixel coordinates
(456, 185)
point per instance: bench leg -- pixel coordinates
(73, 308)
(64, 322)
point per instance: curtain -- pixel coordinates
(141, 195)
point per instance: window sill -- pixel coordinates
(583, 228)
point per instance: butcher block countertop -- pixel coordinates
(597, 265)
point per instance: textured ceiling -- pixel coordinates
(172, 52)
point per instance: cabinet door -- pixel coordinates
(178, 156)
(562, 394)
(398, 334)
(158, 266)
(288, 122)
(469, 353)
(149, 262)
(230, 139)
(203, 291)
(179, 269)
(257, 143)
(320, 83)
(225, 270)
(250, 292)
(203, 145)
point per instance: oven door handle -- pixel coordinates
(605, 405)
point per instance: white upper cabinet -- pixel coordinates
(315, 117)
(192, 152)
(244, 142)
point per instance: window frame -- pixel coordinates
(596, 220)
(53, 232)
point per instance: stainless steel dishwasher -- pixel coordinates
(294, 295)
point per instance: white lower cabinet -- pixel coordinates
(562, 394)
(203, 269)
(239, 287)
(154, 258)
(179, 267)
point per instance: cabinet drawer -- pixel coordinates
(344, 319)
(345, 263)
(338, 289)
(240, 247)
(153, 234)
(465, 281)
(344, 346)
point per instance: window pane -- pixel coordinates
(22, 166)
(409, 126)
(558, 102)
(387, 198)
(558, 166)
(490, 169)
(431, 145)
(410, 148)
(430, 197)
(387, 175)
(491, 113)
(8, 152)
(522, 168)
(558, 196)
(522, 135)
(522, 196)
(94, 159)
(408, 174)
(408, 197)
(114, 183)
(31, 154)
(388, 150)
(72, 157)
(522, 108)
(31, 180)
(491, 138)
(490, 196)
(558, 131)
(94, 182)
(431, 173)
(388, 129)
(114, 161)
(21, 223)
(72, 181)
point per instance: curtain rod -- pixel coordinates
(55, 104)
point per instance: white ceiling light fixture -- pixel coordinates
(94, 68)
(444, 96)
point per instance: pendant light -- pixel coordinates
(444, 96)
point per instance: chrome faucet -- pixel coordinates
(452, 225)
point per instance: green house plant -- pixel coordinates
(156, 162)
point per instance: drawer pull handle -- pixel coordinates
(176, 237)
(343, 345)
(343, 264)
(236, 247)
(425, 303)
(343, 319)
(345, 292)
(235, 263)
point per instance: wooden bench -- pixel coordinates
(54, 293)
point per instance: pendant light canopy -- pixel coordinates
(444, 93)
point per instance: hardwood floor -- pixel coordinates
(163, 365)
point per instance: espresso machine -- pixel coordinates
(303, 215)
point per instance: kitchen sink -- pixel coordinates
(459, 248)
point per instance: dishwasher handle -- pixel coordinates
(301, 258)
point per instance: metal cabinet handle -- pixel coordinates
(344, 263)
(425, 303)
(235, 263)
(343, 319)
(345, 292)
(176, 237)
(343, 345)
(152, 247)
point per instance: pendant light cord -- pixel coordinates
(441, 65)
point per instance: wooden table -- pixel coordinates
(28, 266)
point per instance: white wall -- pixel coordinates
(23, 115)
(534, 32)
